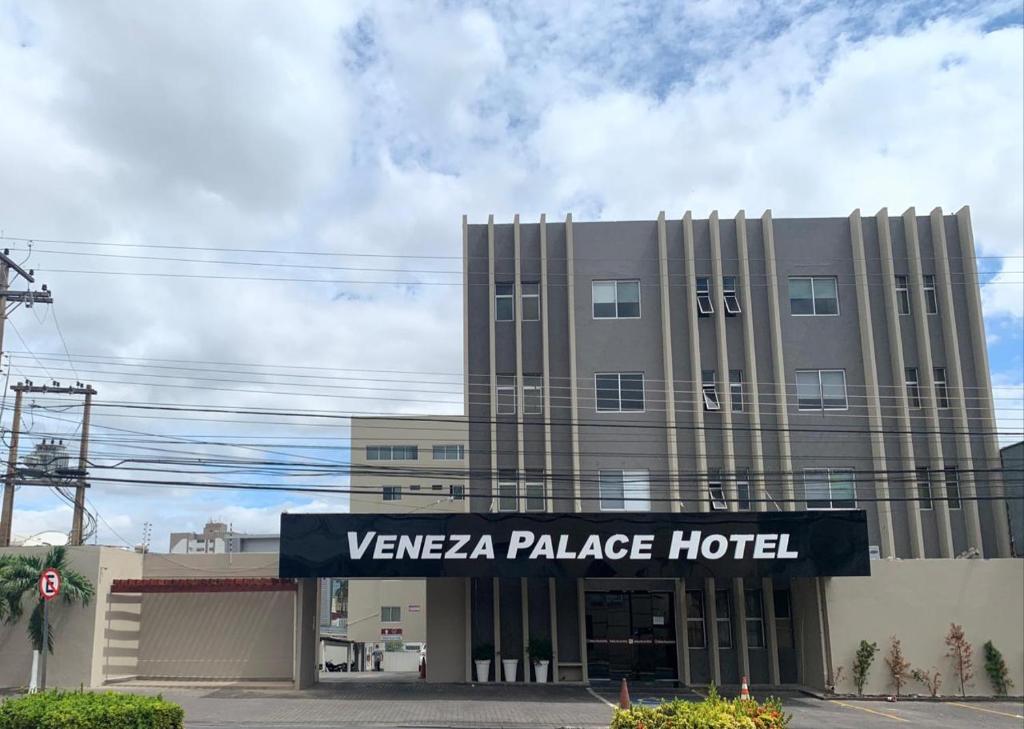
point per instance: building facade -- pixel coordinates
(702, 365)
(1013, 467)
(402, 465)
(220, 538)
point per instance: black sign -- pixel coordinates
(768, 544)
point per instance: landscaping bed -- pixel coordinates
(84, 710)
(714, 712)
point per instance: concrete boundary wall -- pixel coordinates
(916, 600)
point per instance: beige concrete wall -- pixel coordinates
(365, 598)
(166, 566)
(446, 630)
(238, 635)
(118, 619)
(916, 600)
(82, 645)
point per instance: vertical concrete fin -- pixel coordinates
(517, 256)
(722, 366)
(926, 386)
(493, 391)
(671, 443)
(873, 402)
(954, 382)
(549, 486)
(700, 448)
(984, 381)
(574, 384)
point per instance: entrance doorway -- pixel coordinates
(631, 635)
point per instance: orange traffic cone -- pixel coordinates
(624, 695)
(744, 690)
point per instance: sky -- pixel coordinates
(143, 146)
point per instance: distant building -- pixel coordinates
(1013, 476)
(219, 538)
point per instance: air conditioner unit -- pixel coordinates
(874, 552)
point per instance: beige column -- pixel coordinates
(711, 622)
(896, 362)
(874, 405)
(520, 399)
(936, 462)
(955, 383)
(493, 395)
(496, 614)
(984, 400)
(699, 485)
(781, 401)
(671, 442)
(771, 636)
(524, 609)
(682, 638)
(574, 384)
(553, 614)
(722, 364)
(549, 486)
(468, 620)
(581, 607)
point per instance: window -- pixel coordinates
(616, 299)
(931, 302)
(704, 305)
(941, 390)
(821, 389)
(710, 390)
(392, 493)
(449, 452)
(414, 487)
(717, 493)
(506, 387)
(504, 304)
(437, 487)
(754, 614)
(953, 487)
(729, 298)
(743, 491)
(535, 496)
(736, 390)
(783, 618)
(924, 488)
(457, 492)
(533, 395)
(390, 614)
(813, 296)
(723, 617)
(392, 453)
(619, 392)
(902, 296)
(830, 488)
(913, 387)
(624, 490)
(531, 301)
(696, 637)
(508, 495)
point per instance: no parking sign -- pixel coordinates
(49, 584)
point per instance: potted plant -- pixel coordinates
(509, 669)
(482, 656)
(540, 656)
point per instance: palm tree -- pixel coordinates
(19, 576)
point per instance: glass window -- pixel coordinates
(736, 390)
(437, 487)
(833, 389)
(924, 488)
(723, 617)
(783, 618)
(378, 453)
(533, 394)
(830, 488)
(813, 296)
(625, 490)
(717, 494)
(619, 392)
(504, 304)
(616, 299)
(535, 496)
(729, 297)
(755, 618)
(695, 633)
(457, 492)
(709, 389)
(743, 491)
(506, 386)
(821, 389)
(902, 296)
(508, 496)
(531, 301)
(808, 390)
(449, 452)
(913, 387)
(414, 487)
(392, 493)
(389, 614)
(704, 305)
(953, 487)
(941, 389)
(931, 302)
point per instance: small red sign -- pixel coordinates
(49, 583)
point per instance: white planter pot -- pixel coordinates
(509, 667)
(483, 669)
(540, 670)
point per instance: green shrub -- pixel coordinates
(996, 669)
(83, 710)
(714, 712)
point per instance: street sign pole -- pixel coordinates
(46, 647)
(49, 588)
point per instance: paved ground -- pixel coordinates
(373, 705)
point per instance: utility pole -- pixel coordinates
(7, 514)
(8, 264)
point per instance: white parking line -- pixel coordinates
(600, 698)
(987, 711)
